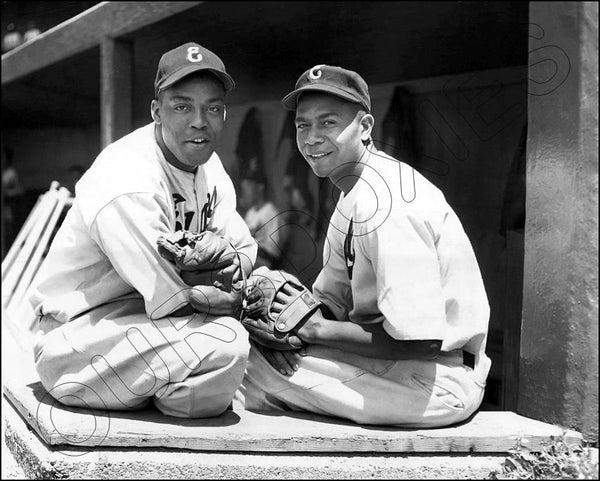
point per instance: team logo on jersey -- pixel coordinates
(315, 72)
(208, 209)
(187, 217)
(349, 253)
(194, 55)
(185, 221)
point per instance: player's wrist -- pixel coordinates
(308, 331)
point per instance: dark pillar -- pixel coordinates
(559, 341)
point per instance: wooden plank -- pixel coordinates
(84, 31)
(70, 462)
(487, 431)
(255, 432)
(116, 65)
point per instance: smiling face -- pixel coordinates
(329, 133)
(191, 117)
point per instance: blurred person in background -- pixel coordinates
(12, 39)
(12, 198)
(31, 32)
(72, 175)
(263, 219)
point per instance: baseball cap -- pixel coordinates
(333, 80)
(186, 59)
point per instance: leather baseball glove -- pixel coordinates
(276, 329)
(204, 259)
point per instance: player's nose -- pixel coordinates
(313, 136)
(198, 119)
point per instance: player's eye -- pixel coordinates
(300, 126)
(215, 109)
(328, 123)
(181, 108)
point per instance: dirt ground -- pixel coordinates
(10, 468)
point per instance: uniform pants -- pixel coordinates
(418, 394)
(115, 357)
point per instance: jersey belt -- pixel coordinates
(468, 359)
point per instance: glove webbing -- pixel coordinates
(245, 288)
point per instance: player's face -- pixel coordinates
(328, 133)
(191, 115)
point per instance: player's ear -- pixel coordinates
(155, 111)
(366, 126)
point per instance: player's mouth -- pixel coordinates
(198, 141)
(318, 156)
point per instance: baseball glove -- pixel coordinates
(276, 329)
(204, 259)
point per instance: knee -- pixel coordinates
(236, 350)
(179, 407)
(76, 394)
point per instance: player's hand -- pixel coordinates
(217, 302)
(228, 277)
(283, 297)
(286, 362)
(223, 279)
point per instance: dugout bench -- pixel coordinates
(53, 441)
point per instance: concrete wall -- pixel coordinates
(559, 341)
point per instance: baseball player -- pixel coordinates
(395, 329)
(122, 318)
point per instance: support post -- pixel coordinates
(558, 381)
(116, 58)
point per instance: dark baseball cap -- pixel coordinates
(186, 59)
(332, 80)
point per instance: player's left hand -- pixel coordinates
(272, 328)
(286, 294)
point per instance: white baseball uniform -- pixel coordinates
(395, 254)
(104, 293)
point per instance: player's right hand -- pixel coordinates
(223, 279)
(217, 302)
(286, 362)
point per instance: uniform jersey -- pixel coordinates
(106, 248)
(396, 253)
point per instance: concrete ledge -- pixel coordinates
(39, 461)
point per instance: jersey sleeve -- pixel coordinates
(409, 291)
(228, 222)
(126, 230)
(467, 307)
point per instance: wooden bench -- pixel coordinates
(22, 261)
(54, 439)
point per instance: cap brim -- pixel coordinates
(290, 101)
(228, 82)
